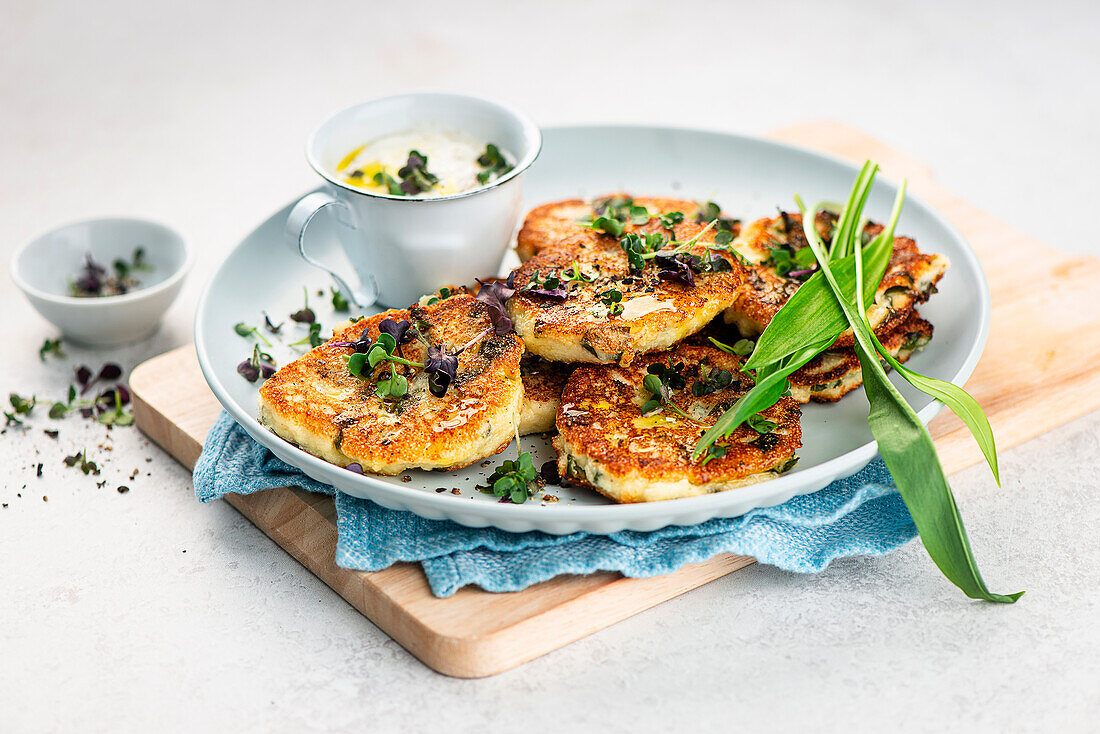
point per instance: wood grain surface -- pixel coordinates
(1045, 338)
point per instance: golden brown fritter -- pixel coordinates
(556, 222)
(543, 383)
(910, 277)
(316, 403)
(605, 442)
(656, 313)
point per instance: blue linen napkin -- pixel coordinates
(860, 515)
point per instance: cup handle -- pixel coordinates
(297, 222)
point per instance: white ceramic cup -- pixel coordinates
(401, 247)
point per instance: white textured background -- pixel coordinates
(148, 612)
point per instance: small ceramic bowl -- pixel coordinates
(44, 267)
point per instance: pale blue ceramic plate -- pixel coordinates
(749, 177)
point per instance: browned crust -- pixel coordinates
(615, 338)
(317, 395)
(556, 222)
(600, 420)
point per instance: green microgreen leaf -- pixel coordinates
(670, 220)
(244, 330)
(714, 452)
(575, 275)
(50, 346)
(339, 302)
(760, 424)
(21, 405)
(516, 481)
(607, 225)
(356, 363)
(376, 354)
(81, 460)
(493, 163)
(313, 337)
(612, 298)
(387, 342)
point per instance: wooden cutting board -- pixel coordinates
(1038, 371)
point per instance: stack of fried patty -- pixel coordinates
(634, 316)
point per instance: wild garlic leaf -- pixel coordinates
(907, 449)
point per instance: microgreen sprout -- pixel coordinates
(515, 481)
(715, 380)
(20, 406)
(493, 164)
(123, 268)
(244, 330)
(305, 315)
(661, 380)
(574, 274)
(441, 295)
(94, 282)
(670, 220)
(313, 338)
(60, 410)
(612, 298)
(81, 460)
(85, 378)
(116, 416)
(415, 177)
(711, 212)
(611, 215)
(548, 287)
(741, 347)
(494, 294)
(259, 364)
(339, 302)
(714, 451)
(50, 346)
(273, 328)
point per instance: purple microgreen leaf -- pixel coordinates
(83, 374)
(109, 371)
(442, 369)
(355, 467)
(273, 328)
(494, 294)
(674, 268)
(399, 330)
(304, 316)
(248, 371)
